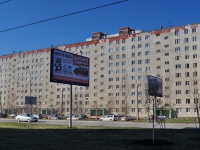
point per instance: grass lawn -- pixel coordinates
(29, 136)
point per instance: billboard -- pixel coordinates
(30, 100)
(69, 68)
(154, 86)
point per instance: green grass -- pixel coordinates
(30, 136)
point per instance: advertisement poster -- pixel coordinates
(69, 68)
(154, 86)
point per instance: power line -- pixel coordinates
(4, 2)
(63, 16)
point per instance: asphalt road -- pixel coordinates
(111, 124)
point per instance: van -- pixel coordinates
(109, 118)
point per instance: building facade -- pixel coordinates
(119, 64)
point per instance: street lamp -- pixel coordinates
(28, 70)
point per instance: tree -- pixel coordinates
(111, 105)
(125, 92)
(194, 92)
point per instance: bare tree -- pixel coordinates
(194, 92)
(111, 105)
(125, 92)
(11, 103)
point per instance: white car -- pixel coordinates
(109, 118)
(24, 117)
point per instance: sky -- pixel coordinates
(137, 14)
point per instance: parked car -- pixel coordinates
(67, 115)
(74, 117)
(82, 116)
(24, 117)
(109, 118)
(127, 118)
(55, 116)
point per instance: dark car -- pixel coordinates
(82, 116)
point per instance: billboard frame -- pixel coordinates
(62, 81)
(154, 85)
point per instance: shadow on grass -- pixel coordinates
(96, 139)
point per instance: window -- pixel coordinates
(166, 54)
(186, 40)
(110, 42)
(194, 30)
(178, 75)
(111, 57)
(133, 46)
(133, 39)
(194, 56)
(157, 43)
(133, 54)
(194, 47)
(147, 53)
(178, 101)
(110, 72)
(166, 46)
(195, 82)
(166, 37)
(187, 74)
(117, 49)
(133, 62)
(123, 48)
(186, 57)
(166, 62)
(147, 68)
(123, 55)
(186, 31)
(195, 74)
(194, 65)
(139, 45)
(177, 32)
(157, 59)
(139, 61)
(178, 66)
(123, 41)
(186, 48)
(110, 50)
(178, 92)
(158, 51)
(177, 41)
(187, 83)
(157, 34)
(187, 66)
(139, 53)
(147, 45)
(187, 109)
(139, 38)
(147, 61)
(177, 49)
(158, 67)
(117, 56)
(147, 37)
(178, 83)
(124, 63)
(187, 101)
(194, 39)
(139, 69)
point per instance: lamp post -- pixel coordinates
(62, 102)
(28, 70)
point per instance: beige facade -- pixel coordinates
(119, 64)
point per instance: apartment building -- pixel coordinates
(119, 64)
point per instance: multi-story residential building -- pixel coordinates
(119, 64)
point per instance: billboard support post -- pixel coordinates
(70, 109)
